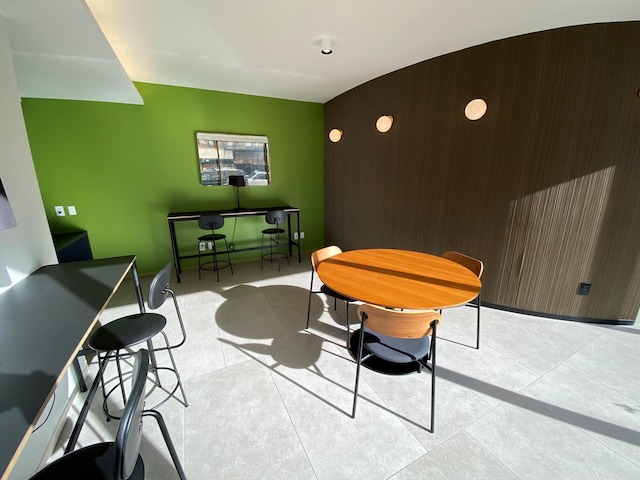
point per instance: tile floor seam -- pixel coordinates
(526, 326)
(489, 451)
(293, 425)
(520, 364)
(609, 387)
(631, 359)
(584, 431)
(590, 434)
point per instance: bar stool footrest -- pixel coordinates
(170, 394)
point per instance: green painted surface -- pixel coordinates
(124, 167)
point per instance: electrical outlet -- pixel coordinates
(584, 288)
(210, 245)
(202, 246)
(295, 235)
(301, 234)
(59, 211)
(72, 210)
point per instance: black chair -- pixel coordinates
(116, 338)
(399, 337)
(316, 258)
(477, 267)
(118, 460)
(277, 218)
(212, 223)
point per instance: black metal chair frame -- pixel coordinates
(477, 267)
(315, 261)
(120, 459)
(428, 362)
(114, 339)
(213, 223)
(277, 218)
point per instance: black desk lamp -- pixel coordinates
(7, 220)
(237, 181)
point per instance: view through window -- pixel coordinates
(221, 155)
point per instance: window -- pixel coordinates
(221, 155)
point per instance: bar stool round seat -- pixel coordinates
(127, 331)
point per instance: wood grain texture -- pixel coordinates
(397, 323)
(544, 189)
(399, 279)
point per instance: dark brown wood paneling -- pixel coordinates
(545, 188)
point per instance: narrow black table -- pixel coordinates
(44, 321)
(174, 217)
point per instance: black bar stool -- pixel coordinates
(277, 218)
(213, 223)
(115, 339)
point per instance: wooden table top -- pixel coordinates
(399, 279)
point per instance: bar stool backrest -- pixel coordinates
(159, 287)
(211, 222)
(275, 217)
(129, 435)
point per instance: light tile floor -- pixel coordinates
(541, 399)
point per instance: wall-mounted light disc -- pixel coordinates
(384, 123)
(335, 135)
(475, 109)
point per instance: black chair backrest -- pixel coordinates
(158, 289)
(211, 222)
(275, 217)
(129, 435)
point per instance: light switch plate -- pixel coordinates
(72, 210)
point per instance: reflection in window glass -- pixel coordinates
(221, 155)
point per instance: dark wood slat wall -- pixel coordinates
(545, 188)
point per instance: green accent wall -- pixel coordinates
(124, 167)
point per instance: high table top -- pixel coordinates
(229, 212)
(399, 279)
(45, 318)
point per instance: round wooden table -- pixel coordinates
(399, 279)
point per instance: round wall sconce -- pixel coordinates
(475, 109)
(384, 123)
(335, 135)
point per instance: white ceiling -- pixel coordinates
(93, 50)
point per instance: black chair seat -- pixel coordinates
(272, 231)
(127, 331)
(216, 236)
(332, 293)
(95, 462)
(396, 350)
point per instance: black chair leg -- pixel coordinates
(214, 254)
(478, 324)
(433, 378)
(167, 439)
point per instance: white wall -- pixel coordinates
(28, 246)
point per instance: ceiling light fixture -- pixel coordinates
(327, 45)
(335, 135)
(475, 109)
(384, 123)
